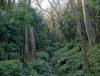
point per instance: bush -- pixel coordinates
(2, 55)
(9, 68)
(37, 67)
(43, 55)
(70, 63)
(14, 55)
(41, 66)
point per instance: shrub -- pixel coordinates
(43, 55)
(9, 68)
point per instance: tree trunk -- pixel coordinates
(79, 31)
(24, 45)
(6, 43)
(26, 38)
(88, 25)
(9, 6)
(29, 3)
(13, 3)
(6, 31)
(32, 38)
(1, 1)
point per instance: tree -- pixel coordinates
(29, 46)
(9, 6)
(79, 31)
(33, 44)
(6, 30)
(88, 25)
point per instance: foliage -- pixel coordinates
(94, 4)
(58, 51)
(69, 62)
(38, 67)
(43, 55)
(9, 68)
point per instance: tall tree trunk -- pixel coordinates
(88, 25)
(1, 1)
(79, 31)
(9, 6)
(6, 43)
(6, 32)
(32, 38)
(13, 3)
(26, 39)
(6, 40)
(29, 3)
(28, 34)
(24, 47)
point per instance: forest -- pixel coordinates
(49, 37)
